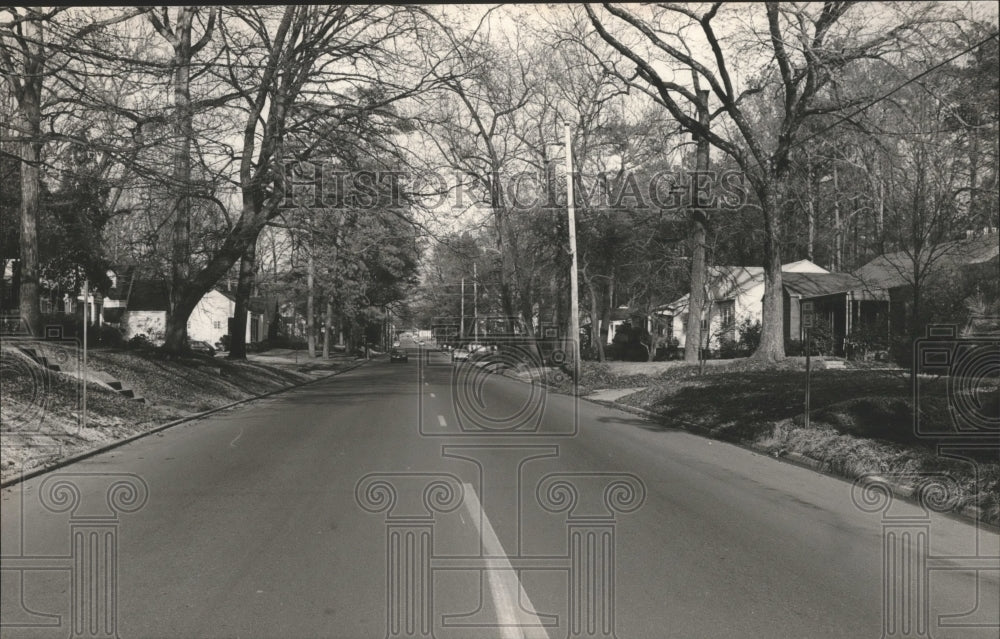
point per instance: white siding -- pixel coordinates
(209, 320)
(749, 299)
(152, 324)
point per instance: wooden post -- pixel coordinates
(807, 322)
(86, 306)
(808, 375)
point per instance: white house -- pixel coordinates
(209, 320)
(619, 317)
(140, 307)
(735, 293)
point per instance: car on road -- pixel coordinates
(460, 354)
(398, 355)
(198, 346)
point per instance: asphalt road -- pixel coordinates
(400, 499)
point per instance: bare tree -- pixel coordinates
(809, 45)
(179, 35)
(25, 60)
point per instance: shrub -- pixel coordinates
(106, 335)
(794, 348)
(668, 351)
(140, 341)
(588, 352)
(749, 332)
(867, 338)
(901, 351)
(821, 337)
(284, 341)
(728, 348)
(226, 340)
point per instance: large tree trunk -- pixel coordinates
(184, 293)
(696, 298)
(654, 339)
(257, 161)
(178, 35)
(31, 152)
(183, 131)
(202, 282)
(772, 344)
(810, 209)
(838, 233)
(244, 289)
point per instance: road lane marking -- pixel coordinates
(505, 587)
(441, 422)
(433, 395)
(232, 444)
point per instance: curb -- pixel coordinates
(968, 514)
(66, 461)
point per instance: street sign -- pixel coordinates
(807, 315)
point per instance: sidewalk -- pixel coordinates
(611, 394)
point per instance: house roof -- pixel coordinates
(896, 269)
(819, 284)
(261, 305)
(802, 266)
(145, 295)
(154, 295)
(623, 313)
(727, 282)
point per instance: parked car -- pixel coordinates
(198, 346)
(398, 355)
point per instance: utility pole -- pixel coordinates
(574, 312)
(461, 321)
(475, 302)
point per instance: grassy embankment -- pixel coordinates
(40, 410)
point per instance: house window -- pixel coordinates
(217, 324)
(727, 319)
